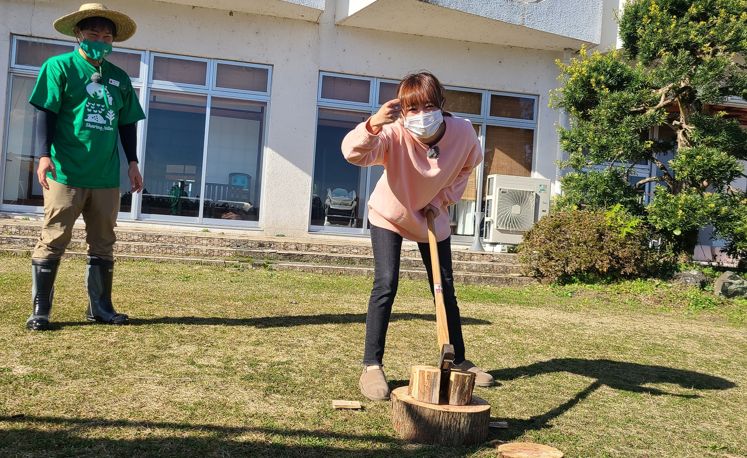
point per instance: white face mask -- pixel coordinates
(424, 125)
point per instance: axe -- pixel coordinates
(446, 360)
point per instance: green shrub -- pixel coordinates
(590, 246)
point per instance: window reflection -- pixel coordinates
(506, 106)
(179, 70)
(127, 61)
(508, 151)
(234, 160)
(463, 101)
(387, 92)
(173, 154)
(242, 77)
(20, 185)
(348, 89)
(462, 213)
(339, 186)
(34, 53)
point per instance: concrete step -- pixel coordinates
(339, 256)
(410, 260)
(353, 246)
(465, 278)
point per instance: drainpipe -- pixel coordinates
(476, 242)
(563, 122)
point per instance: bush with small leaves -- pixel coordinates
(591, 246)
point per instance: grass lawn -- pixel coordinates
(222, 361)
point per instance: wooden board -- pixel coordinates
(439, 423)
(341, 404)
(527, 450)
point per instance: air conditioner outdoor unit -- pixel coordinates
(512, 205)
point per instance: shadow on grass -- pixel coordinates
(60, 436)
(272, 321)
(618, 375)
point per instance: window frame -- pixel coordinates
(144, 85)
(346, 103)
(264, 95)
(14, 49)
(502, 119)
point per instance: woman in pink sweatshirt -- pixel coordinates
(428, 155)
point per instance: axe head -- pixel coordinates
(446, 361)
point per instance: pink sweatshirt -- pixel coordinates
(411, 180)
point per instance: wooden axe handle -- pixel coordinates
(442, 328)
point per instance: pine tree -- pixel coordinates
(680, 59)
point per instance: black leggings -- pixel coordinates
(386, 248)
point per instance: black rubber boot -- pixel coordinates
(43, 273)
(99, 276)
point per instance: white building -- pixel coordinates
(247, 100)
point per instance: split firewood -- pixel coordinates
(341, 404)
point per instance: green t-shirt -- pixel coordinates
(84, 150)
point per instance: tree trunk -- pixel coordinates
(439, 423)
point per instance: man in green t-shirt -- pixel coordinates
(85, 106)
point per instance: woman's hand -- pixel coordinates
(387, 114)
(432, 209)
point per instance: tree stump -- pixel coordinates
(461, 385)
(527, 450)
(439, 423)
(425, 384)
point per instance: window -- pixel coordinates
(173, 162)
(346, 89)
(242, 77)
(340, 190)
(178, 70)
(387, 92)
(504, 106)
(463, 212)
(209, 166)
(504, 123)
(34, 53)
(463, 102)
(338, 186)
(20, 186)
(508, 151)
(234, 154)
(201, 157)
(127, 61)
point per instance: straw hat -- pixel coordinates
(125, 25)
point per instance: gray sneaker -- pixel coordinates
(373, 383)
(482, 378)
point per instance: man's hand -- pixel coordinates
(387, 114)
(136, 180)
(45, 165)
(431, 208)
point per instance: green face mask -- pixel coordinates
(96, 50)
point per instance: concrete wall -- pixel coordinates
(609, 38)
(298, 50)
